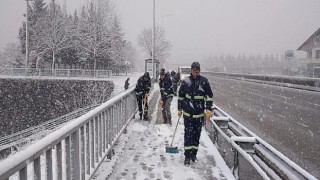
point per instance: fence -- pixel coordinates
(56, 72)
(247, 155)
(76, 150)
(9, 144)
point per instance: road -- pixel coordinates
(286, 118)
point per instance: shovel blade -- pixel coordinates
(172, 150)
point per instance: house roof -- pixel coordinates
(309, 40)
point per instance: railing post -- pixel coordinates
(59, 160)
(82, 152)
(49, 164)
(92, 150)
(215, 136)
(37, 169)
(104, 120)
(23, 173)
(68, 154)
(96, 138)
(87, 139)
(100, 135)
(236, 163)
(75, 155)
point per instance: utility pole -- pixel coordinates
(27, 34)
(153, 40)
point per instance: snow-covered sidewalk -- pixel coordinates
(119, 81)
(140, 153)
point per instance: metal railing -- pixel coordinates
(76, 150)
(247, 155)
(305, 83)
(56, 72)
(9, 143)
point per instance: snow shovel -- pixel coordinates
(144, 105)
(173, 149)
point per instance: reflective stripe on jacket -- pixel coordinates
(195, 95)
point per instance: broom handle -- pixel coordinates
(175, 131)
(144, 105)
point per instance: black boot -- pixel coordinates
(146, 118)
(170, 122)
(194, 159)
(187, 161)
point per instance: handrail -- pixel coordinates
(81, 145)
(306, 83)
(268, 162)
(16, 139)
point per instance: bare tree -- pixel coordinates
(162, 46)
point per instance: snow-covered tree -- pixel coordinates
(162, 46)
(117, 42)
(94, 32)
(54, 33)
(70, 56)
(129, 53)
(11, 56)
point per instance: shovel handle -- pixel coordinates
(175, 131)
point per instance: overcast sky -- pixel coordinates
(198, 28)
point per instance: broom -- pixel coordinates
(143, 106)
(171, 149)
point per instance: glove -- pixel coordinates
(179, 114)
(208, 114)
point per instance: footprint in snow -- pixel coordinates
(166, 174)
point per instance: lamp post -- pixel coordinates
(27, 38)
(153, 39)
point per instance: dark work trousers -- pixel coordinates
(166, 112)
(192, 132)
(175, 87)
(140, 105)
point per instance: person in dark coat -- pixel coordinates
(194, 102)
(126, 84)
(142, 90)
(166, 90)
(162, 73)
(175, 82)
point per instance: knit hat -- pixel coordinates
(195, 66)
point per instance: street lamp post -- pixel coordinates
(27, 38)
(153, 39)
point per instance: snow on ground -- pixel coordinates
(120, 80)
(140, 153)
